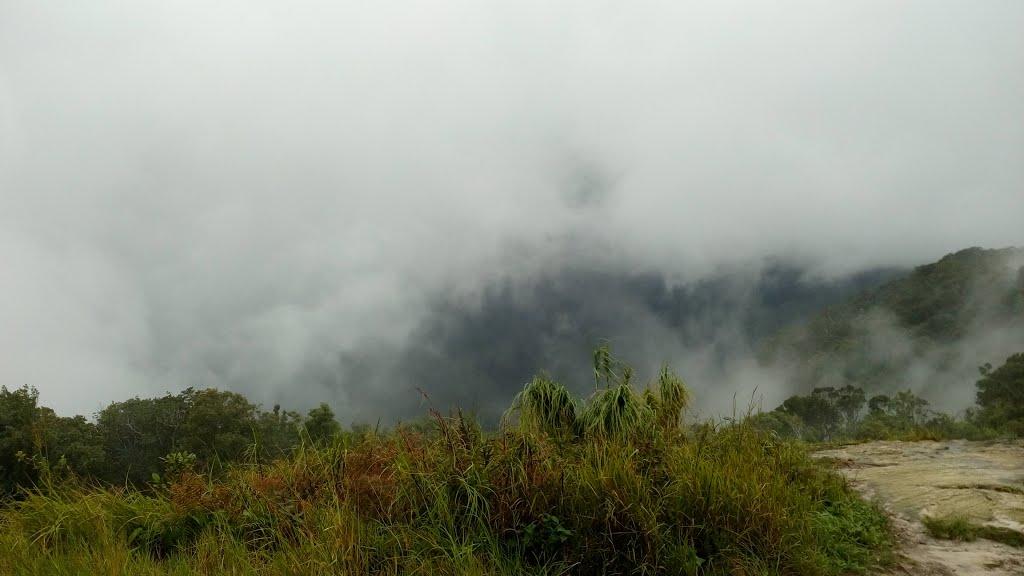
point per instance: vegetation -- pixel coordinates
(1001, 395)
(963, 529)
(127, 441)
(829, 414)
(876, 339)
(205, 481)
(613, 485)
(470, 355)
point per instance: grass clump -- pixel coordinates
(953, 527)
(959, 527)
(545, 407)
(612, 487)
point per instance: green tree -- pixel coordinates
(218, 427)
(878, 405)
(137, 433)
(909, 409)
(785, 425)
(817, 410)
(889, 415)
(826, 411)
(17, 446)
(849, 401)
(1000, 394)
(278, 432)
(320, 425)
(70, 443)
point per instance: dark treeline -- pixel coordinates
(848, 413)
(475, 354)
(128, 441)
(883, 329)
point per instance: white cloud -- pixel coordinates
(222, 174)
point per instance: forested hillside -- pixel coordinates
(928, 330)
(475, 354)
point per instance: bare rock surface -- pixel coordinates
(983, 481)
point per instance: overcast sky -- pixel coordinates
(218, 193)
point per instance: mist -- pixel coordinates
(476, 353)
(927, 331)
(300, 203)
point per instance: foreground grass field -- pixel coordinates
(615, 486)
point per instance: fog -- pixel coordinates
(246, 194)
(939, 358)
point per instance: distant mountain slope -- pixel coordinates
(480, 354)
(928, 330)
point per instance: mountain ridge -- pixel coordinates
(948, 316)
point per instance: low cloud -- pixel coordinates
(243, 195)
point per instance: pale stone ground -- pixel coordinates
(984, 481)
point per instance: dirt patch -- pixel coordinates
(982, 481)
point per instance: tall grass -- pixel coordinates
(613, 487)
(544, 407)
